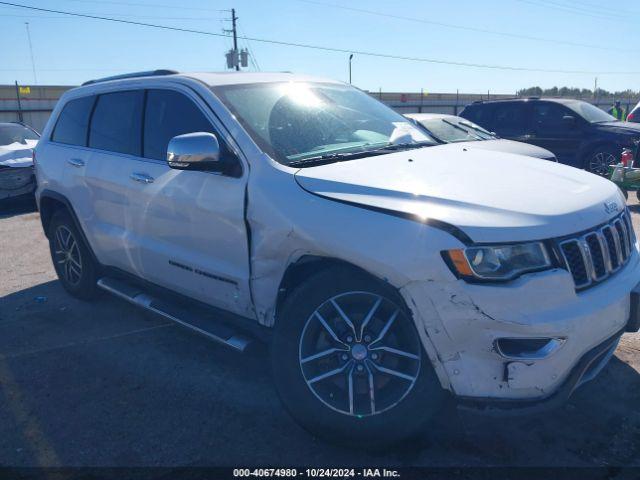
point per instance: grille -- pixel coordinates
(598, 253)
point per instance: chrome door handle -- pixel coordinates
(141, 178)
(75, 162)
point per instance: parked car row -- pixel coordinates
(388, 271)
(578, 133)
(17, 142)
(451, 129)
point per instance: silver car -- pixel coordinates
(452, 129)
(17, 142)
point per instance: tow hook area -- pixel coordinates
(527, 348)
(518, 374)
(524, 352)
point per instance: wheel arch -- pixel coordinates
(309, 265)
(52, 202)
(590, 149)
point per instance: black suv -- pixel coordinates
(578, 133)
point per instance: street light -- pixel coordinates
(350, 58)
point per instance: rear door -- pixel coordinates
(115, 141)
(68, 156)
(189, 226)
(551, 131)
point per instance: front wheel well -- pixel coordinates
(589, 151)
(310, 265)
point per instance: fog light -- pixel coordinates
(527, 348)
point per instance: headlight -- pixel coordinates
(498, 262)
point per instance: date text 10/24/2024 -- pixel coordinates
(316, 473)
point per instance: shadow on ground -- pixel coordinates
(10, 207)
(103, 384)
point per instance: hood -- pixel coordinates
(17, 154)
(490, 196)
(509, 146)
(619, 127)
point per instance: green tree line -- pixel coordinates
(576, 93)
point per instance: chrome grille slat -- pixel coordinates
(625, 238)
(599, 253)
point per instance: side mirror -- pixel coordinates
(569, 120)
(195, 151)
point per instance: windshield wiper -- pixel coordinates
(341, 157)
(477, 129)
(405, 146)
(332, 158)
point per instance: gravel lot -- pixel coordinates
(101, 384)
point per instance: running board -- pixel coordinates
(203, 323)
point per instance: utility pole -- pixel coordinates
(33, 63)
(235, 35)
(350, 58)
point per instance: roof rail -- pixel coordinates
(148, 73)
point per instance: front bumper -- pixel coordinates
(586, 369)
(460, 323)
(16, 181)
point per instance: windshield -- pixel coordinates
(452, 129)
(16, 134)
(590, 112)
(294, 121)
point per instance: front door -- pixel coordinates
(551, 129)
(189, 226)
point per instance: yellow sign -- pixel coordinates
(25, 90)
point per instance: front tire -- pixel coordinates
(348, 363)
(599, 160)
(72, 260)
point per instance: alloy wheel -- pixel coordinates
(600, 162)
(359, 354)
(67, 255)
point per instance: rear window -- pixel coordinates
(510, 119)
(116, 124)
(478, 114)
(72, 124)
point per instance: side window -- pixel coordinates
(72, 124)
(480, 115)
(168, 114)
(510, 119)
(547, 118)
(116, 124)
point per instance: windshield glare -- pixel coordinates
(452, 129)
(292, 121)
(590, 112)
(16, 134)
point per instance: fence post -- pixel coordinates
(19, 104)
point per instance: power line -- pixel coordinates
(466, 28)
(323, 48)
(148, 17)
(575, 10)
(151, 5)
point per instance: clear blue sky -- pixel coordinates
(72, 50)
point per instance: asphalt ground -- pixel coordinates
(103, 384)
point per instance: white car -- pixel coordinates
(303, 211)
(17, 142)
(452, 129)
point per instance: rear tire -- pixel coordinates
(72, 260)
(375, 386)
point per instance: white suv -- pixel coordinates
(384, 271)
